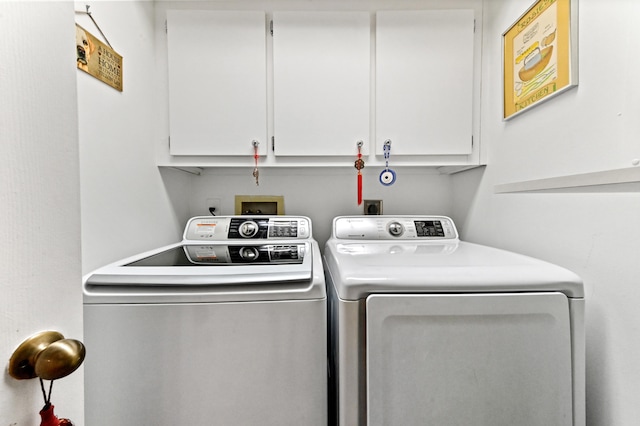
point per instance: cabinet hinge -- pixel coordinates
(273, 143)
(166, 27)
(474, 25)
(271, 27)
(471, 141)
(169, 141)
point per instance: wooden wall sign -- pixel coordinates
(98, 59)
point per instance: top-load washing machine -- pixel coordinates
(226, 327)
(430, 330)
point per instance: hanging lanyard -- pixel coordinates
(388, 176)
(256, 156)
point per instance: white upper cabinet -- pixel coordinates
(321, 82)
(321, 77)
(424, 81)
(217, 83)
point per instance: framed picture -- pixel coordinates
(540, 55)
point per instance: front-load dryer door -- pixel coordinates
(469, 359)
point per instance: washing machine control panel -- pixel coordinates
(220, 228)
(394, 227)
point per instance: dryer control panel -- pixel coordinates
(394, 227)
(224, 228)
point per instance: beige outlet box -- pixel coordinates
(372, 207)
(259, 205)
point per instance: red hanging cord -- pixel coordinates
(256, 156)
(359, 165)
(359, 187)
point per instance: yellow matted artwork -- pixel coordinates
(98, 59)
(540, 55)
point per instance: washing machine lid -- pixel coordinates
(138, 280)
(210, 264)
(220, 259)
(358, 269)
(221, 250)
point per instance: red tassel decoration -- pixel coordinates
(50, 419)
(359, 165)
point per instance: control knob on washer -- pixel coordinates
(248, 229)
(396, 229)
(249, 253)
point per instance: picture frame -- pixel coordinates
(540, 55)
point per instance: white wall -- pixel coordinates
(40, 272)
(128, 204)
(593, 231)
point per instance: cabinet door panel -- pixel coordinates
(321, 82)
(217, 82)
(424, 81)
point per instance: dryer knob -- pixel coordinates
(396, 229)
(248, 229)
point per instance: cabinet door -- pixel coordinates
(217, 82)
(424, 81)
(321, 82)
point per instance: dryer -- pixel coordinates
(226, 327)
(426, 329)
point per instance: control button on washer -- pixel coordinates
(248, 229)
(249, 253)
(395, 229)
